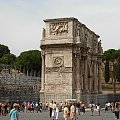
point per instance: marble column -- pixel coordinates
(95, 77)
(99, 79)
(78, 76)
(43, 73)
(85, 75)
(92, 78)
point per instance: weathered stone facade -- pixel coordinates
(71, 61)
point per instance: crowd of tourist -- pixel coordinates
(6, 107)
(70, 110)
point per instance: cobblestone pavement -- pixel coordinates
(45, 116)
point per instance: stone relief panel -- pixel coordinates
(94, 45)
(78, 29)
(58, 69)
(59, 28)
(58, 61)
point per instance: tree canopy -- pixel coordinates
(113, 56)
(29, 61)
(8, 59)
(5, 56)
(4, 50)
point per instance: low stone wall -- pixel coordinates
(105, 98)
(101, 98)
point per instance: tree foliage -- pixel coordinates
(4, 50)
(109, 54)
(107, 73)
(5, 56)
(29, 61)
(8, 59)
(113, 56)
(118, 73)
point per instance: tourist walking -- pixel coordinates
(73, 112)
(92, 108)
(14, 114)
(25, 107)
(29, 106)
(83, 108)
(51, 107)
(54, 110)
(116, 111)
(106, 107)
(98, 108)
(0, 108)
(78, 107)
(46, 106)
(57, 111)
(40, 107)
(32, 106)
(66, 112)
(36, 107)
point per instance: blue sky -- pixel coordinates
(21, 21)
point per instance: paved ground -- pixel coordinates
(45, 116)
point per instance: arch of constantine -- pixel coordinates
(71, 61)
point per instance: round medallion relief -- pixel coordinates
(58, 61)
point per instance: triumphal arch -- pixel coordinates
(71, 61)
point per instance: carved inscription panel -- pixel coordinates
(58, 88)
(59, 28)
(58, 78)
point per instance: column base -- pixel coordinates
(42, 96)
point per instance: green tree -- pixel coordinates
(4, 50)
(5, 56)
(113, 56)
(8, 59)
(29, 61)
(117, 58)
(118, 73)
(107, 72)
(109, 54)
